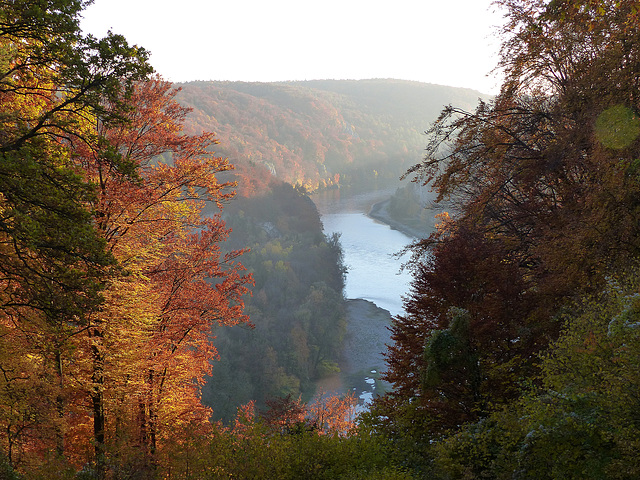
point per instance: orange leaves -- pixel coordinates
(325, 414)
(153, 332)
(446, 223)
(333, 414)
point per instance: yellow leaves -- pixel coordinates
(147, 349)
(445, 224)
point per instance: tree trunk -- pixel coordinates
(59, 403)
(142, 424)
(153, 416)
(97, 398)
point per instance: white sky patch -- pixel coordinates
(449, 42)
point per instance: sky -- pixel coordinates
(446, 42)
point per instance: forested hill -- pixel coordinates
(319, 133)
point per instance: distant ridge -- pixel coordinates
(319, 133)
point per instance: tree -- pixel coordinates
(52, 260)
(169, 254)
(580, 421)
(543, 191)
(297, 306)
(112, 278)
(471, 326)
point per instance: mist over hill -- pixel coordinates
(319, 133)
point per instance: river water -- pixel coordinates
(369, 247)
(373, 274)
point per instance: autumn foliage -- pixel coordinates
(113, 278)
(150, 342)
(518, 352)
(318, 134)
(541, 184)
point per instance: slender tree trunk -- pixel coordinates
(97, 398)
(120, 429)
(152, 421)
(153, 415)
(142, 423)
(59, 402)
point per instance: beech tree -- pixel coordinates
(149, 345)
(112, 277)
(52, 260)
(543, 187)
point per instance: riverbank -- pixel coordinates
(373, 280)
(366, 338)
(380, 211)
(363, 350)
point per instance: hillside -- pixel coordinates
(296, 305)
(319, 133)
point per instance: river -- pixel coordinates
(374, 286)
(369, 246)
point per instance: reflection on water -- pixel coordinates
(369, 247)
(348, 201)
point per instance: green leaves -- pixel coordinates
(449, 351)
(617, 127)
(54, 85)
(49, 241)
(581, 421)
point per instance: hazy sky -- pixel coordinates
(448, 42)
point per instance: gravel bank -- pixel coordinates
(367, 333)
(363, 350)
(367, 336)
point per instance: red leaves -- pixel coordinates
(473, 271)
(152, 346)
